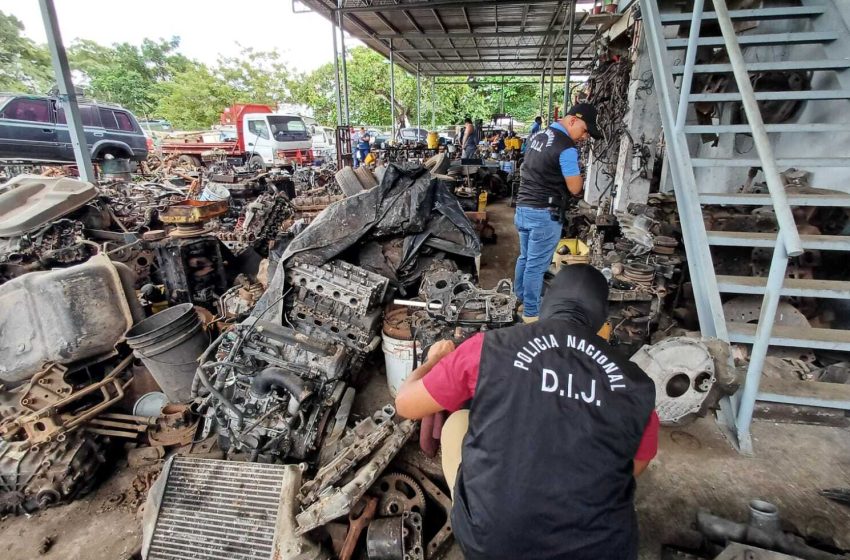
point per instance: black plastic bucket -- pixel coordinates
(169, 343)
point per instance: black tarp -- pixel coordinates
(408, 204)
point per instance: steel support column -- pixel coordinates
(392, 91)
(67, 96)
(542, 93)
(341, 24)
(549, 112)
(336, 77)
(418, 100)
(567, 98)
(433, 105)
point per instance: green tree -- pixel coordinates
(24, 66)
(194, 98)
(128, 74)
(257, 76)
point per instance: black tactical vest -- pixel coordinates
(554, 426)
(541, 176)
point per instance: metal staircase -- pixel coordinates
(674, 82)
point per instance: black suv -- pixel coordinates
(33, 128)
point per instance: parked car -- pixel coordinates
(324, 142)
(156, 125)
(413, 136)
(34, 128)
(379, 138)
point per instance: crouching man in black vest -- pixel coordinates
(558, 427)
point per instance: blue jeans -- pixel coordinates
(538, 237)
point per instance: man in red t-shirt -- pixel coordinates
(543, 463)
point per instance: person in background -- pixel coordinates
(543, 463)
(355, 139)
(470, 139)
(363, 146)
(535, 128)
(550, 175)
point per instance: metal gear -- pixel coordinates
(397, 493)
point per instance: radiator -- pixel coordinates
(210, 509)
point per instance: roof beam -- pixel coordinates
(465, 35)
(469, 28)
(524, 18)
(427, 4)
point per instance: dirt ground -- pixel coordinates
(696, 468)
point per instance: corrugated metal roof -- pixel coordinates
(467, 37)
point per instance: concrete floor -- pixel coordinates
(696, 468)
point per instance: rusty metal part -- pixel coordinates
(399, 493)
(747, 309)
(176, 425)
(397, 322)
(444, 533)
(338, 502)
(359, 518)
(50, 416)
(345, 460)
(39, 476)
(193, 211)
(119, 425)
(396, 538)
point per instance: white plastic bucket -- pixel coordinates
(214, 193)
(398, 356)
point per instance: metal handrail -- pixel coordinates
(787, 226)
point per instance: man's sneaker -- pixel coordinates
(529, 319)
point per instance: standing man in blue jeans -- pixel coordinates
(550, 174)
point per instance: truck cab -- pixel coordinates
(275, 139)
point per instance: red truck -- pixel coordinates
(263, 139)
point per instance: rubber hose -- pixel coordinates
(263, 382)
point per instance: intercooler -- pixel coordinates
(204, 509)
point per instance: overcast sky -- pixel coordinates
(206, 28)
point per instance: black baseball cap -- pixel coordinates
(587, 113)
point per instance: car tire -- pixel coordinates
(256, 163)
(188, 161)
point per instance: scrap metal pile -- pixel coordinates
(640, 253)
(290, 278)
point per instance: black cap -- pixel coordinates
(587, 113)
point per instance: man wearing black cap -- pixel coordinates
(549, 175)
(543, 463)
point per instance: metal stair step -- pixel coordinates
(791, 38)
(797, 337)
(754, 14)
(803, 95)
(780, 127)
(764, 199)
(794, 287)
(807, 393)
(768, 66)
(758, 239)
(802, 162)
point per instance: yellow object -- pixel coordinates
(451, 445)
(482, 202)
(369, 159)
(605, 331)
(433, 140)
(528, 320)
(513, 143)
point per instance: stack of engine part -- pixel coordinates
(307, 207)
(340, 303)
(273, 391)
(639, 252)
(259, 222)
(191, 260)
(59, 373)
(39, 225)
(450, 306)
